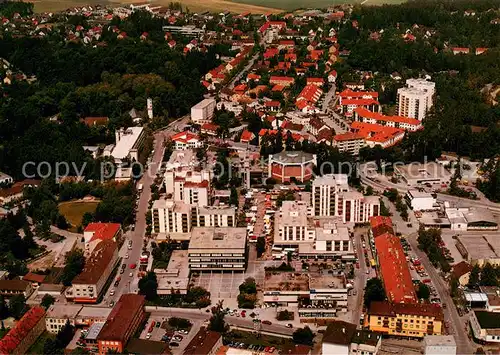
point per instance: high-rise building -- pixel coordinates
(331, 197)
(416, 98)
(177, 218)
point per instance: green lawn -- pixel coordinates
(37, 347)
(73, 211)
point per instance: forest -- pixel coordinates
(75, 81)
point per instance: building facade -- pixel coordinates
(288, 166)
(59, 314)
(331, 197)
(127, 315)
(405, 319)
(221, 249)
(416, 98)
(89, 284)
(203, 111)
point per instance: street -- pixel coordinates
(129, 284)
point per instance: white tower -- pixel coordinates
(150, 108)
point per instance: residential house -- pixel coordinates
(461, 272)
(186, 140)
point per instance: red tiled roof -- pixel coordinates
(380, 117)
(311, 93)
(121, 317)
(271, 52)
(281, 78)
(203, 342)
(347, 137)
(210, 127)
(95, 121)
(97, 263)
(314, 80)
(376, 133)
(380, 225)
(32, 277)
(16, 335)
(203, 183)
(247, 136)
(272, 104)
(360, 102)
(103, 231)
(278, 87)
(253, 76)
(394, 269)
(348, 94)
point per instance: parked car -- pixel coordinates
(266, 322)
(174, 344)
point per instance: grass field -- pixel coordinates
(236, 6)
(73, 211)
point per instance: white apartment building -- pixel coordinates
(331, 241)
(416, 98)
(186, 140)
(292, 225)
(58, 314)
(349, 142)
(331, 197)
(203, 111)
(5, 179)
(176, 219)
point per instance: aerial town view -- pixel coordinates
(250, 177)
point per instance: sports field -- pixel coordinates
(73, 211)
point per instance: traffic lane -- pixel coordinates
(450, 312)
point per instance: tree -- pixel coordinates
(75, 261)
(248, 286)
(488, 276)
(233, 198)
(285, 315)
(423, 291)
(454, 283)
(148, 286)
(474, 277)
(374, 291)
(17, 306)
(65, 335)
(47, 301)
(303, 336)
(179, 323)
(87, 218)
(260, 245)
(4, 310)
(217, 322)
(50, 347)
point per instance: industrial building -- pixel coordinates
(217, 249)
(486, 326)
(439, 345)
(417, 173)
(128, 142)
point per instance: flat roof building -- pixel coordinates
(418, 173)
(439, 345)
(128, 143)
(486, 326)
(203, 111)
(418, 200)
(479, 249)
(58, 314)
(176, 276)
(222, 249)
